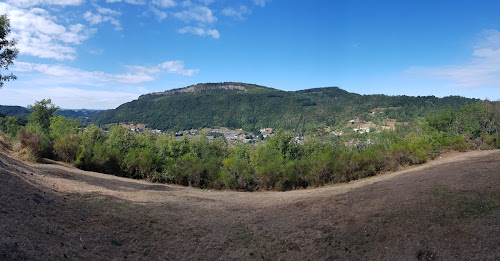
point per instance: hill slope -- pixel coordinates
(251, 107)
(444, 210)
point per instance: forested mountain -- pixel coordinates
(248, 106)
(18, 111)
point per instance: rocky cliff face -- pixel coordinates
(201, 87)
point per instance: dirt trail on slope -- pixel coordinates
(445, 209)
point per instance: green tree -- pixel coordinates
(61, 126)
(39, 119)
(93, 135)
(7, 51)
(9, 125)
(121, 139)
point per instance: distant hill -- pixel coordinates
(83, 114)
(23, 112)
(249, 106)
(18, 111)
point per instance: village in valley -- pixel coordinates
(354, 132)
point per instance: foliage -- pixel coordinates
(8, 52)
(63, 127)
(9, 125)
(280, 163)
(66, 148)
(39, 119)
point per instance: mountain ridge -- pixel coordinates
(200, 87)
(251, 107)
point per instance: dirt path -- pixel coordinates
(445, 209)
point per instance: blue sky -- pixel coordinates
(99, 54)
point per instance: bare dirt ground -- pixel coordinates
(448, 209)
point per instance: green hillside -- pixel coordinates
(248, 106)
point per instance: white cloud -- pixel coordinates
(261, 3)
(177, 67)
(160, 15)
(134, 2)
(134, 73)
(200, 31)
(94, 19)
(30, 3)
(103, 15)
(164, 3)
(50, 70)
(106, 11)
(69, 98)
(186, 3)
(482, 71)
(200, 14)
(129, 78)
(97, 51)
(38, 35)
(236, 13)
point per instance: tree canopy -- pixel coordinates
(8, 52)
(39, 119)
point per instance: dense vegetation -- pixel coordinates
(278, 164)
(261, 107)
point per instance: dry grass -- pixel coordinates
(447, 209)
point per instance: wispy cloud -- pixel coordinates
(177, 67)
(201, 14)
(261, 3)
(200, 31)
(160, 15)
(70, 87)
(133, 2)
(134, 73)
(164, 3)
(103, 15)
(238, 13)
(482, 71)
(206, 2)
(30, 3)
(69, 97)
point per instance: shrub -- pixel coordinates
(30, 145)
(139, 163)
(459, 143)
(66, 148)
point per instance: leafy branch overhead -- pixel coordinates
(7, 49)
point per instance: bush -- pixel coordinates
(139, 163)
(66, 148)
(459, 143)
(31, 149)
